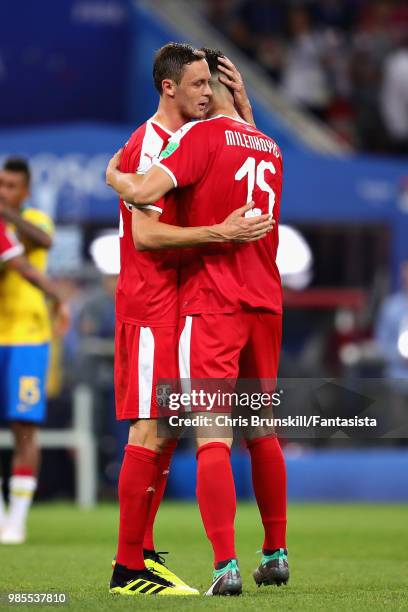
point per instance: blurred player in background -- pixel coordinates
(25, 333)
(147, 319)
(231, 309)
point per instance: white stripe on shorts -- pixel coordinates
(146, 360)
(184, 358)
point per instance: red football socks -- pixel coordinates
(216, 498)
(136, 488)
(163, 467)
(269, 481)
(23, 470)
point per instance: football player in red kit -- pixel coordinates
(147, 314)
(235, 290)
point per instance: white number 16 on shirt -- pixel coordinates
(256, 173)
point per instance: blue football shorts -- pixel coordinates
(23, 378)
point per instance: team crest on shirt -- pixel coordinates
(169, 150)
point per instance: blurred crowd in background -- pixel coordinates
(344, 61)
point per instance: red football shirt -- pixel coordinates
(219, 165)
(147, 292)
(9, 248)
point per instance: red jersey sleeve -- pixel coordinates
(133, 160)
(9, 248)
(185, 159)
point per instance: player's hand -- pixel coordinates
(238, 228)
(231, 77)
(113, 167)
(62, 318)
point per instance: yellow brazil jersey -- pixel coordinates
(24, 315)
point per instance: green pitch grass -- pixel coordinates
(342, 558)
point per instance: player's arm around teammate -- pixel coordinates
(149, 234)
(149, 188)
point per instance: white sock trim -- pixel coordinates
(23, 483)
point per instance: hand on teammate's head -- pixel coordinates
(230, 73)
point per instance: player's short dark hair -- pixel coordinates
(18, 164)
(212, 55)
(170, 60)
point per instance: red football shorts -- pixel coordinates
(143, 356)
(245, 344)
